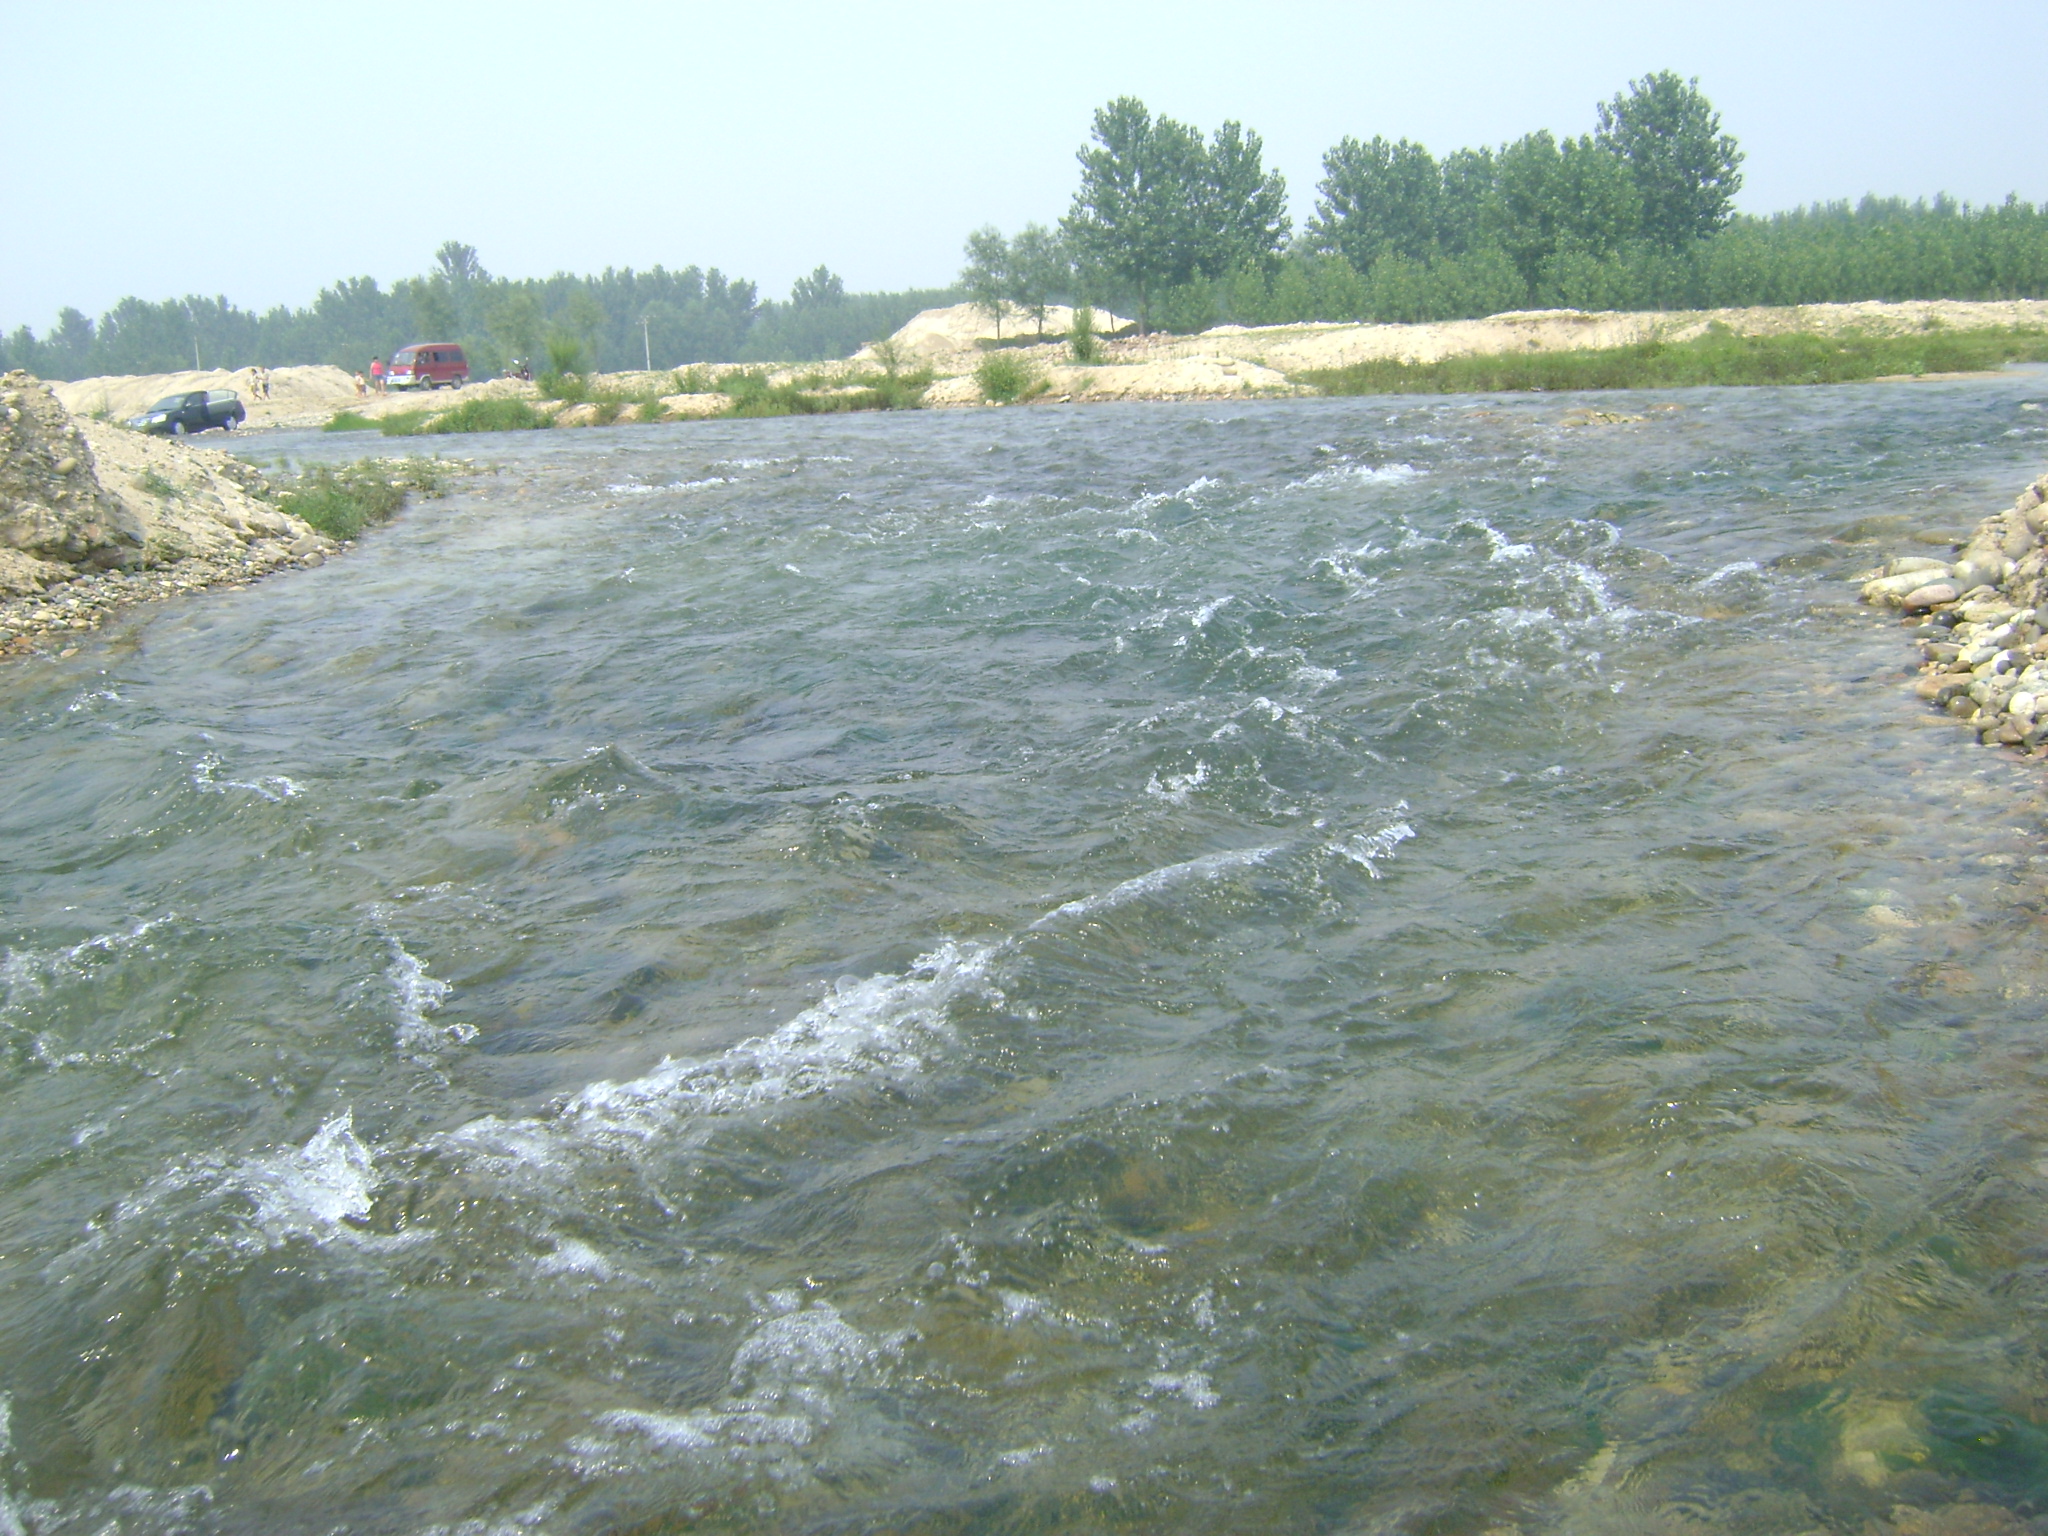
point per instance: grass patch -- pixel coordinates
(752, 394)
(1718, 357)
(502, 413)
(1003, 379)
(149, 480)
(352, 421)
(342, 500)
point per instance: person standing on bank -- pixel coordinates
(377, 374)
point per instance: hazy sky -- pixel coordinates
(158, 151)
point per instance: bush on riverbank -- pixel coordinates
(752, 394)
(1002, 378)
(342, 500)
(1718, 357)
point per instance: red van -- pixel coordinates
(427, 365)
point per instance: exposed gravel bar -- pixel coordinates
(1983, 627)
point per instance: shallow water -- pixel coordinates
(1361, 965)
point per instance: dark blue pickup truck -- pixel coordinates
(193, 411)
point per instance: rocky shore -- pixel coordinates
(95, 518)
(1984, 623)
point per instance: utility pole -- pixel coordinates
(193, 321)
(646, 346)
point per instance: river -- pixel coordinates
(1368, 965)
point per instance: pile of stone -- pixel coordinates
(1984, 629)
(94, 518)
(54, 515)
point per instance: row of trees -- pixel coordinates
(1638, 213)
(618, 319)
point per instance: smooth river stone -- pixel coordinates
(1927, 597)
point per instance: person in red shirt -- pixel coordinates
(377, 374)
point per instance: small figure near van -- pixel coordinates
(377, 374)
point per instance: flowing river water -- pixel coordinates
(1339, 966)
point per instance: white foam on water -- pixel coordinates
(571, 1257)
(1359, 474)
(1368, 850)
(85, 701)
(1188, 492)
(1209, 611)
(778, 1390)
(1208, 867)
(877, 1026)
(1175, 788)
(311, 1191)
(1192, 1386)
(1018, 1305)
(813, 1346)
(1316, 677)
(416, 995)
(28, 974)
(1732, 569)
(1294, 720)
(206, 778)
(1127, 534)
(1499, 546)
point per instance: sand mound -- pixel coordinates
(299, 397)
(936, 336)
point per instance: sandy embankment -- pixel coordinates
(1226, 362)
(94, 517)
(1235, 360)
(299, 397)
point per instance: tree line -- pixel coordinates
(1184, 232)
(619, 319)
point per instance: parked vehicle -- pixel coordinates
(427, 365)
(194, 411)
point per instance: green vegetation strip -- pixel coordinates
(1718, 357)
(747, 392)
(342, 500)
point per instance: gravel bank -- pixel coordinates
(1983, 630)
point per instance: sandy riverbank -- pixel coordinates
(95, 518)
(1226, 362)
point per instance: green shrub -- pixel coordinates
(752, 394)
(652, 410)
(1086, 347)
(504, 413)
(695, 380)
(350, 421)
(149, 480)
(399, 423)
(342, 500)
(565, 353)
(1003, 378)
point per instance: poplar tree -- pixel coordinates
(1685, 168)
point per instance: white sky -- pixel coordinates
(262, 150)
